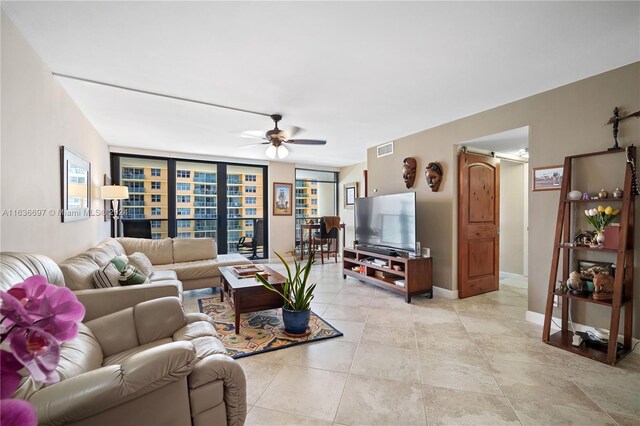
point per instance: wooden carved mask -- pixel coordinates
(433, 173)
(409, 167)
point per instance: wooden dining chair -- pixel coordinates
(327, 235)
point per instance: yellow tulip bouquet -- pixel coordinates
(599, 218)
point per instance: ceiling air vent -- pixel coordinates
(386, 149)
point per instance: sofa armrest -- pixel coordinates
(227, 369)
(103, 301)
(195, 317)
(158, 319)
(98, 390)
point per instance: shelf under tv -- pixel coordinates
(415, 271)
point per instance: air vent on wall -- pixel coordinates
(385, 149)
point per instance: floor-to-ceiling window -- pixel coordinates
(316, 195)
(245, 206)
(196, 199)
(148, 189)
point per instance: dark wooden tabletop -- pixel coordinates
(240, 282)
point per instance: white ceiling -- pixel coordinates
(355, 73)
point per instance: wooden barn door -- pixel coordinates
(478, 224)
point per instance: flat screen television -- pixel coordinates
(387, 221)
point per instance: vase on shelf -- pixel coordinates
(600, 237)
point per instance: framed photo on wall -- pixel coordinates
(75, 177)
(547, 178)
(350, 194)
(282, 199)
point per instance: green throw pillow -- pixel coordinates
(131, 276)
(119, 263)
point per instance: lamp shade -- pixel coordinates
(114, 192)
(282, 152)
(270, 152)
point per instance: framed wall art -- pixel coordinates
(282, 199)
(350, 194)
(75, 179)
(547, 178)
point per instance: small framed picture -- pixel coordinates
(350, 194)
(547, 178)
(587, 269)
(282, 199)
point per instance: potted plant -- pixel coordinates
(297, 295)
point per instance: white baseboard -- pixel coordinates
(443, 292)
(538, 318)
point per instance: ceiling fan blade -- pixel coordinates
(291, 131)
(307, 141)
(253, 145)
(252, 134)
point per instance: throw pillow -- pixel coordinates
(120, 263)
(142, 263)
(131, 276)
(106, 277)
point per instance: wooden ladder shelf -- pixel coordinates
(623, 283)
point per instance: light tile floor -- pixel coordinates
(472, 361)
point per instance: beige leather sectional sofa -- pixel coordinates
(178, 264)
(135, 362)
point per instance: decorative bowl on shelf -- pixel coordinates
(574, 195)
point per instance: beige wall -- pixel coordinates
(37, 117)
(350, 174)
(281, 228)
(563, 121)
(512, 217)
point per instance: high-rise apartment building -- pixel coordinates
(196, 198)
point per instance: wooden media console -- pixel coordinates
(387, 270)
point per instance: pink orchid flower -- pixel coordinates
(15, 412)
(54, 309)
(38, 351)
(9, 367)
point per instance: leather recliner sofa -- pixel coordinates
(149, 364)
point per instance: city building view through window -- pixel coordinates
(192, 202)
(148, 199)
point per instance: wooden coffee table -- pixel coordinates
(248, 294)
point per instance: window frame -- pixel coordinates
(221, 195)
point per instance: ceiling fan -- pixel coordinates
(276, 137)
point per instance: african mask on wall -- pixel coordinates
(433, 173)
(409, 166)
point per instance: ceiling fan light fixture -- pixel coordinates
(271, 152)
(282, 152)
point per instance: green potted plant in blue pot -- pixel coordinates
(297, 295)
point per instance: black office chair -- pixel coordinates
(330, 238)
(250, 245)
(137, 228)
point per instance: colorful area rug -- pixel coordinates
(259, 331)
